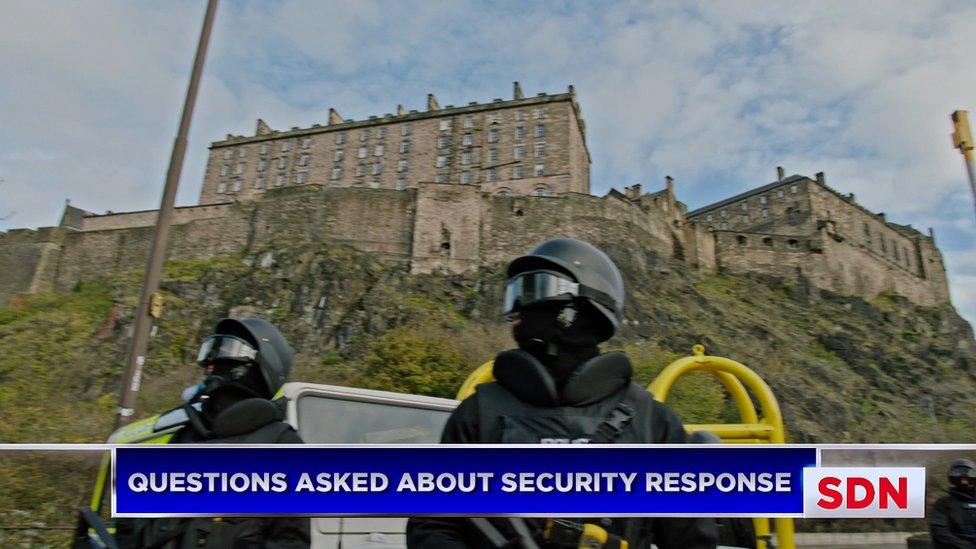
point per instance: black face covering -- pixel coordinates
(967, 488)
(560, 334)
(231, 383)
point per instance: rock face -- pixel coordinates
(843, 369)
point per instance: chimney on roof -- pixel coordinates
(334, 117)
(851, 197)
(571, 89)
(672, 206)
(882, 218)
(517, 91)
(780, 173)
(633, 192)
(821, 178)
(262, 128)
(432, 104)
(400, 110)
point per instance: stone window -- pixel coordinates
(221, 188)
(494, 118)
(242, 152)
(403, 166)
(542, 190)
(377, 168)
(279, 180)
(282, 162)
(519, 152)
(520, 132)
(741, 240)
(303, 160)
(765, 212)
(465, 158)
(724, 225)
(492, 155)
(363, 152)
(336, 174)
(469, 121)
(493, 136)
(401, 184)
(517, 172)
(897, 255)
(443, 142)
(378, 150)
(302, 178)
(723, 213)
(441, 161)
(711, 228)
(792, 244)
(285, 146)
(405, 130)
(239, 168)
(360, 170)
(867, 233)
(492, 175)
(468, 139)
(540, 150)
(228, 153)
(539, 170)
(364, 135)
(884, 249)
(708, 217)
(745, 219)
(520, 115)
(341, 138)
(259, 183)
(763, 199)
(404, 147)
(504, 191)
(540, 130)
(374, 184)
(440, 178)
(465, 177)
(265, 148)
(225, 170)
(445, 124)
(768, 242)
(381, 132)
(539, 112)
(262, 165)
(307, 142)
(794, 188)
(339, 155)
(744, 206)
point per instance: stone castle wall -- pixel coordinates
(460, 227)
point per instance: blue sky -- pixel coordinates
(715, 94)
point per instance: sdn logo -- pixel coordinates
(864, 492)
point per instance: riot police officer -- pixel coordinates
(245, 362)
(563, 300)
(953, 517)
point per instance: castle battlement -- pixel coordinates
(456, 188)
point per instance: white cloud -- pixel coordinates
(715, 94)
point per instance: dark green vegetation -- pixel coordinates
(844, 370)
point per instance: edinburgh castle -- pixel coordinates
(454, 188)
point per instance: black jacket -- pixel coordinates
(953, 522)
(251, 421)
(525, 406)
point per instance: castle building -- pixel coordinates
(526, 145)
(455, 188)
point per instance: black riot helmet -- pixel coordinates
(567, 269)
(240, 344)
(962, 475)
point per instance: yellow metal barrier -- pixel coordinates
(769, 429)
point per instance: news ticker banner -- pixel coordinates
(503, 480)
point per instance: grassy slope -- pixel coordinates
(843, 369)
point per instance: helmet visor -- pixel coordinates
(225, 347)
(963, 471)
(527, 288)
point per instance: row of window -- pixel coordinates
(900, 257)
(466, 158)
(366, 133)
(792, 244)
(763, 200)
